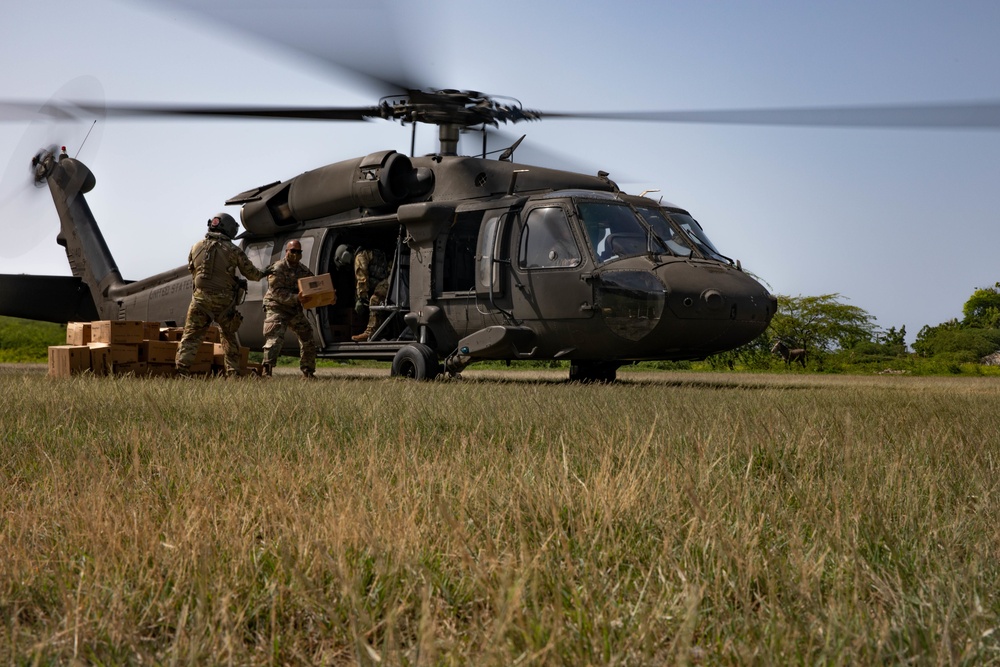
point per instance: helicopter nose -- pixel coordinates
(716, 294)
(713, 300)
(721, 307)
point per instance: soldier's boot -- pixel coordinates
(265, 370)
(363, 336)
(308, 374)
(183, 371)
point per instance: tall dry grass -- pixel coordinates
(679, 520)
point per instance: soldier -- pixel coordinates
(371, 273)
(283, 309)
(217, 292)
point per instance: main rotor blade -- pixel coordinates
(364, 49)
(26, 110)
(962, 115)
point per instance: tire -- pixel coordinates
(593, 371)
(416, 361)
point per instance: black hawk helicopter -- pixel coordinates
(490, 259)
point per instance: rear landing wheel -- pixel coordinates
(593, 371)
(416, 361)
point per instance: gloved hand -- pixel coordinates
(360, 306)
(269, 270)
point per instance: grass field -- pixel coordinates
(667, 519)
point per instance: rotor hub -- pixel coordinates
(462, 108)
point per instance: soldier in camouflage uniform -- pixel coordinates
(283, 309)
(213, 262)
(371, 275)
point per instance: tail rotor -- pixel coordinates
(26, 215)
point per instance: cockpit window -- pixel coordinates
(680, 232)
(613, 230)
(698, 236)
(547, 240)
(677, 243)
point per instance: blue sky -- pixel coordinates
(902, 223)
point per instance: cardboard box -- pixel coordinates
(171, 333)
(67, 360)
(205, 353)
(115, 331)
(151, 331)
(157, 351)
(219, 355)
(317, 291)
(77, 333)
(100, 359)
(213, 335)
(118, 353)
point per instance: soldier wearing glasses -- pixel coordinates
(283, 309)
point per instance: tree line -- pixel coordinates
(839, 337)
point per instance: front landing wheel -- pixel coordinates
(416, 361)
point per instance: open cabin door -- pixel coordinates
(493, 274)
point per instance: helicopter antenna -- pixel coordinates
(509, 153)
(92, 125)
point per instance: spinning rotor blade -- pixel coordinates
(287, 113)
(366, 49)
(964, 115)
(26, 213)
(968, 115)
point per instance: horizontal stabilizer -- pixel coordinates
(46, 298)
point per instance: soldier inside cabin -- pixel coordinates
(371, 275)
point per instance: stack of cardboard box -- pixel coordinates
(109, 347)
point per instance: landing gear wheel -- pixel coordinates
(593, 371)
(416, 361)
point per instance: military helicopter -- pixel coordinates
(490, 259)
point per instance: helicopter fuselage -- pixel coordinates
(489, 260)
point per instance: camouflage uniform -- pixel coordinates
(371, 273)
(282, 310)
(213, 262)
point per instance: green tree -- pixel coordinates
(982, 310)
(972, 338)
(891, 341)
(956, 342)
(822, 323)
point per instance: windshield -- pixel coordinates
(677, 243)
(613, 230)
(698, 236)
(680, 244)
